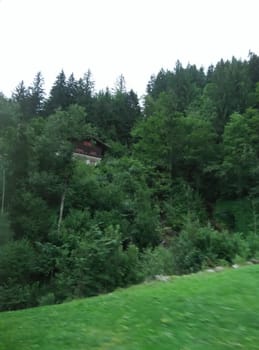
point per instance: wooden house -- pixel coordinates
(91, 150)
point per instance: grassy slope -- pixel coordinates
(203, 311)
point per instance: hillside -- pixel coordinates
(174, 188)
(200, 311)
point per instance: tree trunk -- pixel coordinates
(3, 193)
(61, 209)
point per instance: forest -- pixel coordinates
(176, 191)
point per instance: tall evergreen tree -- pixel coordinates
(21, 95)
(37, 94)
(31, 99)
(59, 95)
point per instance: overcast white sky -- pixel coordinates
(112, 37)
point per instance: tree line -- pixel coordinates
(176, 191)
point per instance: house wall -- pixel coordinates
(86, 158)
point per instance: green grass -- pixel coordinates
(203, 311)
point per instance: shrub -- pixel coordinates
(183, 201)
(14, 296)
(252, 240)
(234, 215)
(18, 262)
(92, 261)
(18, 275)
(47, 299)
(157, 261)
(197, 247)
(130, 266)
(5, 230)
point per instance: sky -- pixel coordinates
(135, 38)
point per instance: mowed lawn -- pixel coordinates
(203, 311)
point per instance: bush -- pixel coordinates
(5, 230)
(93, 261)
(183, 201)
(18, 275)
(18, 262)
(14, 296)
(157, 261)
(130, 266)
(197, 247)
(252, 240)
(47, 299)
(234, 215)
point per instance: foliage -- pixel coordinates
(92, 260)
(234, 215)
(18, 275)
(198, 246)
(238, 167)
(189, 154)
(156, 261)
(182, 202)
(8, 114)
(6, 232)
(174, 143)
(252, 240)
(31, 99)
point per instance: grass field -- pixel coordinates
(207, 311)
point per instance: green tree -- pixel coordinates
(40, 168)
(21, 96)
(31, 99)
(37, 95)
(240, 159)
(59, 95)
(176, 144)
(85, 92)
(185, 84)
(253, 66)
(9, 114)
(229, 90)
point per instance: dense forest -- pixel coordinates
(176, 192)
